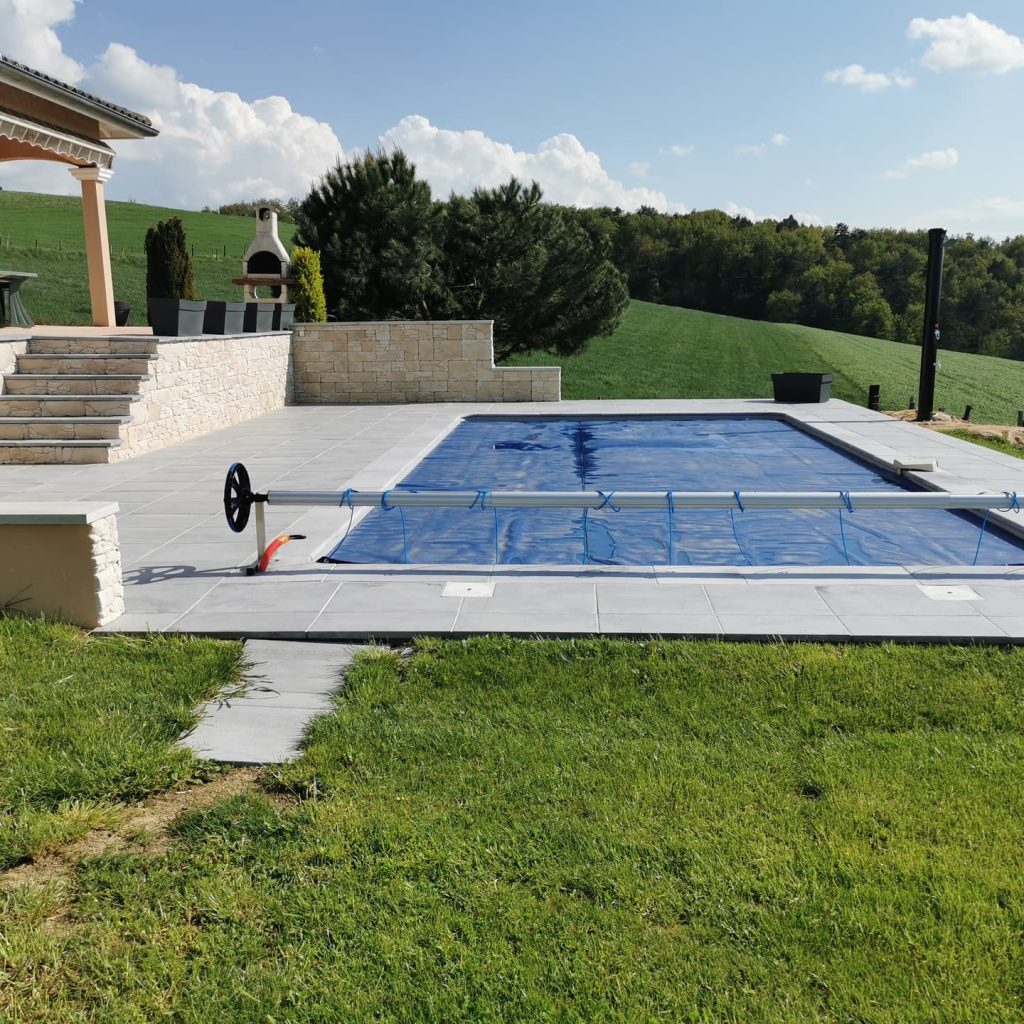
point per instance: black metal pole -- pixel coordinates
(930, 335)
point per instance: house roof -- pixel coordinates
(119, 122)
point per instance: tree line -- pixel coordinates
(858, 281)
(552, 277)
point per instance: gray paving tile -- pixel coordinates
(246, 596)
(538, 622)
(905, 601)
(266, 696)
(362, 624)
(792, 626)
(629, 597)
(366, 597)
(788, 601)
(659, 624)
(249, 735)
(140, 622)
(566, 597)
(284, 624)
(1012, 625)
(175, 596)
(922, 627)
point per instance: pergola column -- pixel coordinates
(97, 246)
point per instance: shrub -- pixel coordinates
(168, 264)
(308, 289)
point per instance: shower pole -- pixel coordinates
(930, 335)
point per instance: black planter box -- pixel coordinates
(177, 318)
(122, 311)
(259, 317)
(802, 387)
(284, 315)
(224, 318)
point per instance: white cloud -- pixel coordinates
(760, 148)
(213, 147)
(934, 160)
(458, 161)
(638, 168)
(967, 43)
(27, 33)
(216, 147)
(858, 77)
(677, 150)
(735, 210)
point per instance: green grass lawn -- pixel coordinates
(577, 831)
(85, 723)
(44, 234)
(666, 352)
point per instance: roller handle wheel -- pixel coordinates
(238, 497)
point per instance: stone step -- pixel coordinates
(121, 345)
(56, 451)
(67, 405)
(85, 362)
(74, 383)
(61, 428)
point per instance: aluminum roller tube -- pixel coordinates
(845, 500)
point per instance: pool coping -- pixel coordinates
(184, 570)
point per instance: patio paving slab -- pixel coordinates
(287, 686)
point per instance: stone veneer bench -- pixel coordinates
(61, 559)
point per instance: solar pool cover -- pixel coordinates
(658, 454)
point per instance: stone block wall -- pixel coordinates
(61, 559)
(199, 385)
(410, 361)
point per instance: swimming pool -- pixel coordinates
(658, 453)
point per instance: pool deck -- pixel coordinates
(183, 568)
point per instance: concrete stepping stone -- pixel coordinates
(288, 684)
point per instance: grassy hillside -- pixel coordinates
(44, 234)
(666, 352)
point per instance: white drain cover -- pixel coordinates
(468, 590)
(948, 593)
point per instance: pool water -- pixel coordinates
(658, 453)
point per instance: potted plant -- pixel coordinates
(170, 283)
(284, 316)
(802, 387)
(224, 318)
(259, 317)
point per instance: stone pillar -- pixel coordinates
(97, 247)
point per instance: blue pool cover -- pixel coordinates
(658, 453)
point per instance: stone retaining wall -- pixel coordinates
(202, 384)
(62, 560)
(411, 361)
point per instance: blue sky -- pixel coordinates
(682, 105)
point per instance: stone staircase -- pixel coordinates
(70, 399)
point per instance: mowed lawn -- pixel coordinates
(88, 723)
(576, 831)
(44, 234)
(666, 352)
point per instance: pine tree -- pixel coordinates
(308, 287)
(169, 272)
(375, 227)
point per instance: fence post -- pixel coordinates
(874, 396)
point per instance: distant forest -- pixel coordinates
(839, 278)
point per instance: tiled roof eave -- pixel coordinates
(139, 125)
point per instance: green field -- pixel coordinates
(44, 234)
(512, 830)
(666, 352)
